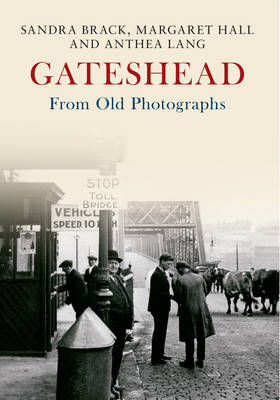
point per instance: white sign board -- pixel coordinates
(27, 242)
(66, 217)
(103, 193)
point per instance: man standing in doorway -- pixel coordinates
(75, 286)
(159, 307)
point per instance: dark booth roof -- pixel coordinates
(31, 189)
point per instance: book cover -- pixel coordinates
(178, 101)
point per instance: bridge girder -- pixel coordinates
(177, 223)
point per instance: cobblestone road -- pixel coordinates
(241, 359)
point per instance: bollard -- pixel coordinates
(85, 360)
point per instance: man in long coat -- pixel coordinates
(195, 321)
(75, 286)
(159, 307)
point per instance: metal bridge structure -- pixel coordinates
(155, 227)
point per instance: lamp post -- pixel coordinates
(103, 293)
(211, 244)
(236, 253)
(77, 237)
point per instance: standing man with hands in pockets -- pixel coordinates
(159, 307)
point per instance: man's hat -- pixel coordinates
(114, 255)
(182, 264)
(92, 257)
(66, 263)
(165, 257)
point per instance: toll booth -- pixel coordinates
(27, 268)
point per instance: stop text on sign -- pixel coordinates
(103, 193)
(103, 183)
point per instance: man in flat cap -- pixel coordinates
(120, 315)
(90, 269)
(90, 278)
(195, 321)
(180, 269)
(159, 307)
(75, 286)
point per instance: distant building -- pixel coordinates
(266, 256)
(266, 247)
(245, 260)
(257, 246)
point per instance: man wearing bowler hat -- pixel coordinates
(75, 286)
(120, 315)
(159, 307)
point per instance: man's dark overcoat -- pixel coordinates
(120, 313)
(159, 307)
(194, 317)
(159, 299)
(120, 319)
(88, 274)
(77, 290)
(92, 286)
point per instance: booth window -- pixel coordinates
(6, 257)
(19, 251)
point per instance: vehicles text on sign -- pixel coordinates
(72, 218)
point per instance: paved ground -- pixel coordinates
(241, 359)
(33, 378)
(30, 378)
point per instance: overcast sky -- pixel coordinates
(225, 159)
